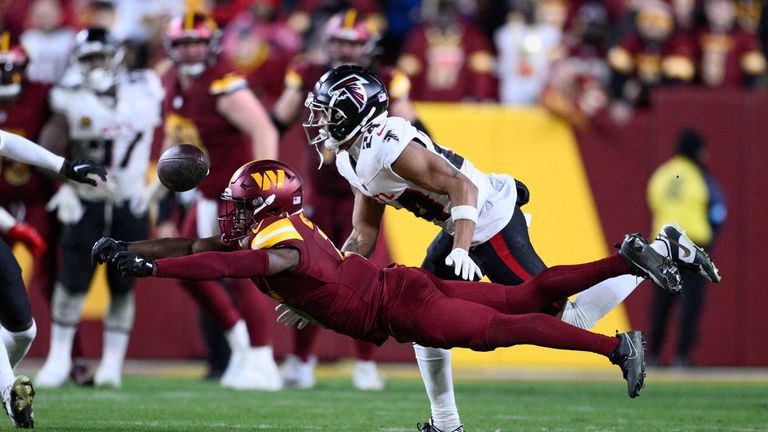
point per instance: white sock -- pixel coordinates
(595, 302)
(238, 338)
(17, 343)
(6, 375)
(115, 346)
(61, 343)
(435, 368)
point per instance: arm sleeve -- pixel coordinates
(215, 265)
(23, 150)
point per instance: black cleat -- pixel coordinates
(630, 356)
(20, 402)
(647, 263)
(430, 427)
(680, 245)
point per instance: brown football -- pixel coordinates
(182, 167)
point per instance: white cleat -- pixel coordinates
(54, 373)
(108, 376)
(686, 253)
(366, 377)
(298, 374)
(258, 372)
(235, 364)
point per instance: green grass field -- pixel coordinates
(186, 404)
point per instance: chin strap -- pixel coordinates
(320, 155)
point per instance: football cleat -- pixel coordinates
(644, 261)
(257, 372)
(680, 247)
(54, 373)
(366, 377)
(108, 375)
(298, 374)
(630, 356)
(19, 403)
(430, 427)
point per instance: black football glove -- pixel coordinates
(105, 249)
(78, 171)
(130, 264)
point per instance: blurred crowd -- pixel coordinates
(581, 59)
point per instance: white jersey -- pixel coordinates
(117, 133)
(371, 173)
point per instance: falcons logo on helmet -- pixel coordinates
(352, 88)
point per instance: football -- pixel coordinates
(182, 167)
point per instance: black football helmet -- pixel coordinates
(344, 102)
(99, 57)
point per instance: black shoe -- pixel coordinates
(20, 402)
(430, 427)
(80, 374)
(647, 263)
(680, 245)
(630, 356)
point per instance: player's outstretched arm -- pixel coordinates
(366, 220)
(107, 248)
(210, 265)
(23, 150)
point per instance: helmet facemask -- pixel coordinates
(325, 125)
(240, 215)
(99, 65)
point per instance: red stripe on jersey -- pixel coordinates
(502, 250)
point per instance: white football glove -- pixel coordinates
(463, 265)
(69, 209)
(139, 202)
(289, 317)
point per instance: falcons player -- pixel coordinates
(348, 38)
(104, 113)
(209, 104)
(18, 328)
(389, 162)
(290, 259)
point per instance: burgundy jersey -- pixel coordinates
(191, 118)
(342, 293)
(726, 59)
(450, 65)
(654, 63)
(25, 116)
(302, 76)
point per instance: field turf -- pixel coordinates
(185, 404)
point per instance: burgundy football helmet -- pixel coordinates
(349, 38)
(13, 64)
(187, 31)
(257, 190)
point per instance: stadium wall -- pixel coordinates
(588, 189)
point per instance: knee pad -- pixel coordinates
(66, 307)
(122, 309)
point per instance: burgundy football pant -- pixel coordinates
(482, 316)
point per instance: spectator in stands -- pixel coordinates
(727, 56)
(653, 55)
(577, 88)
(683, 191)
(447, 59)
(48, 41)
(526, 47)
(260, 44)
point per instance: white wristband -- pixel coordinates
(467, 212)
